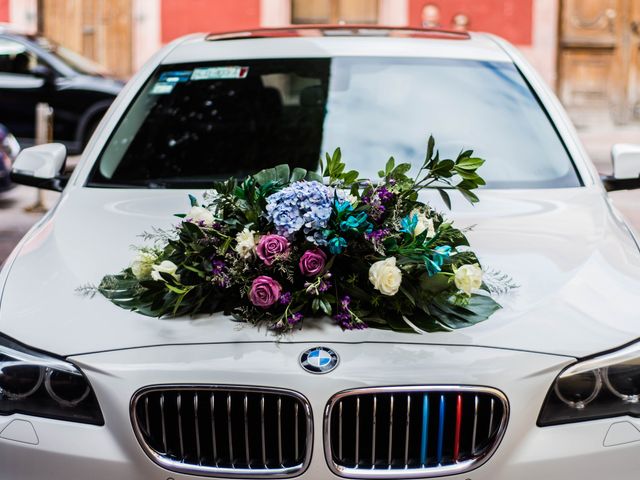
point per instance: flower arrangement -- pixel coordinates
(283, 246)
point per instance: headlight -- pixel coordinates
(36, 384)
(601, 387)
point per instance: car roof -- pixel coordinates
(317, 41)
(11, 30)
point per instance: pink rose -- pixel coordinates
(272, 247)
(265, 291)
(312, 262)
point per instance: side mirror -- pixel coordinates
(43, 72)
(41, 166)
(626, 168)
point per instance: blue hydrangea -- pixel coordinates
(302, 206)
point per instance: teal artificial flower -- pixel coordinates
(343, 206)
(337, 245)
(434, 263)
(357, 222)
(409, 223)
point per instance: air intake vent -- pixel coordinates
(225, 431)
(412, 432)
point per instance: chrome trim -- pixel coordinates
(192, 469)
(631, 352)
(422, 472)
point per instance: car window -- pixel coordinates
(192, 123)
(15, 58)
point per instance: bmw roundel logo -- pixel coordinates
(319, 360)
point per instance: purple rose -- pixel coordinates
(265, 291)
(271, 247)
(312, 262)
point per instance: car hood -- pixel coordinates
(576, 264)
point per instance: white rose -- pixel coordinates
(424, 223)
(385, 276)
(142, 264)
(165, 267)
(246, 243)
(200, 215)
(468, 278)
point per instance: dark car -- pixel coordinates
(9, 148)
(33, 70)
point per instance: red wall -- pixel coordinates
(511, 19)
(180, 17)
(4, 10)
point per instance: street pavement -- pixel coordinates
(15, 219)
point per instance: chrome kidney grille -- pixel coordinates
(224, 431)
(411, 432)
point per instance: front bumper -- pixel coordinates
(35, 448)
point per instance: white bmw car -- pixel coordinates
(547, 388)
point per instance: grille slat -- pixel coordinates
(180, 437)
(241, 431)
(475, 424)
(413, 431)
(390, 436)
(214, 443)
(164, 426)
(196, 427)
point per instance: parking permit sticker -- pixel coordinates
(219, 73)
(162, 88)
(175, 77)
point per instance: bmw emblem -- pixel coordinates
(319, 360)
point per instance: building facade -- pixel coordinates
(585, 49)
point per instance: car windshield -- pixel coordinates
(195, 123)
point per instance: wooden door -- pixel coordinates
(98, 29)
(598, 59)
(334, 11)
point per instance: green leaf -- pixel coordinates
(282, 173)
(193, 200)
(470, 196)
(313, 176)
(315, 305)
(325, 306)
(430, 146)
(401, 169)
(470, 163)
(445, 197)
(265, 176)
(298, 174)
(389, 166)
(350, 177)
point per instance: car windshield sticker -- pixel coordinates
(162, 88)
(175, 77)
(220, 73)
